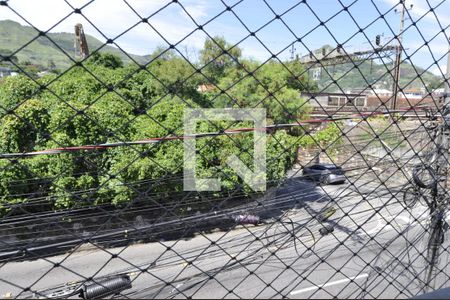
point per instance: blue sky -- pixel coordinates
(111, 18)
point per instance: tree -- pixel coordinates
(162, 53)
(435, 84)
(79, 108)
(217, 56)
(297, 78)
(268, 86)
(7, 53)
(26, 129)
(16, 89)
(107, 60)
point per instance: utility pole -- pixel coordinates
(398, 57)
(446, 111)
(447, 82)
(80, 41)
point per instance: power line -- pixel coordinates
(199, 135)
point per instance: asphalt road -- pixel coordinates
(375, 251)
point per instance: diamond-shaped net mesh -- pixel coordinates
(106, 193)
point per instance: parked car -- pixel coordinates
(324, 173)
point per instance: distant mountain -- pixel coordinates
(43, 52)
(373, 73)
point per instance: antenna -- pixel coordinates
(292, 51)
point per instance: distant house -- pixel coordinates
(203, 88)
(335, 100)
(438, 92)
(43, 73)
(370, 92)
(360, 91)
(381, 92)
(412, 94)
(4, 71)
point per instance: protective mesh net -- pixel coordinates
(94, 198)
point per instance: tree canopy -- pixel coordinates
(107, 101)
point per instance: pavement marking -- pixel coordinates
(377, 228)
(383, 225)
(312, 288)
(176, 287)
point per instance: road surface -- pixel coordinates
(375, 251)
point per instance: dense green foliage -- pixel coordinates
(106, 101)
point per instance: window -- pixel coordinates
(360, 101)
(333, 101)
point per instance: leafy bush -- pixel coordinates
(105, 101)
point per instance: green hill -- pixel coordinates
(347, 77)
(42, 52)
(374, 73)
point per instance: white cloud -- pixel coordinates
(430, 27)
(197, 10)
(421, 8)
(438, 46)
(112, 18)
(439, 69)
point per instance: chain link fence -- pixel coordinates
(95, 99)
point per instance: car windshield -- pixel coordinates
(324, 167)
(318, 167)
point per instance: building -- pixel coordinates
(203, 88)
(381, 92)
(4, 71)
(412, 94)
(43, 73)
(336, 101)
(354, 102)
(370, 92)
(438, 92)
